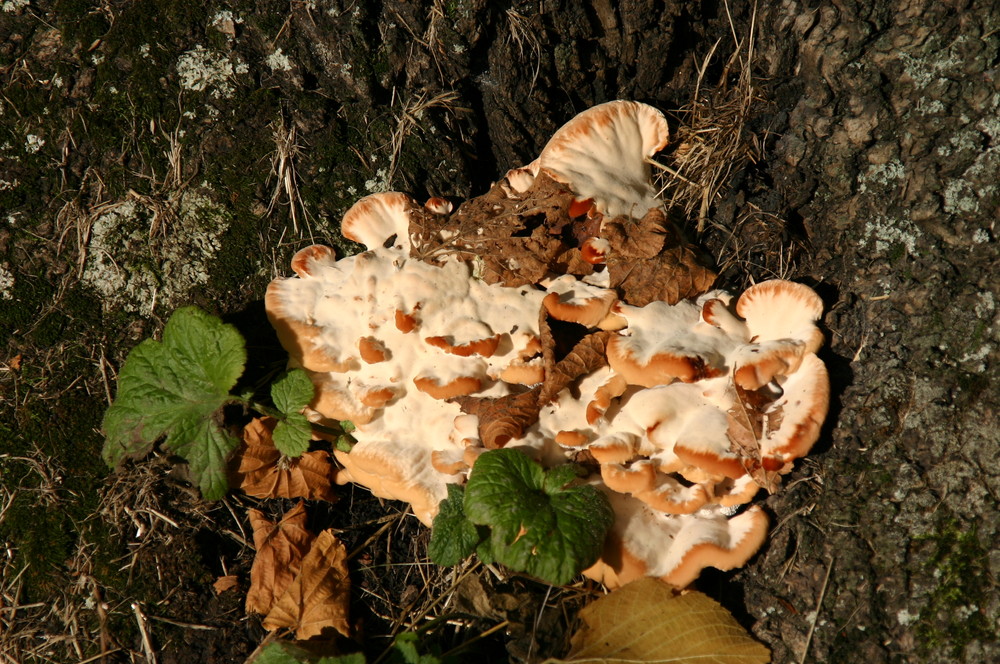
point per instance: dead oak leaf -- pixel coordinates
(319, 596)
(516, 237)
(224, 583)
(588, 355)
(650, 261)
(280, 549)
(264, 473)
(504, 418)
(745, 431)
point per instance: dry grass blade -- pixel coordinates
(409, 119)
(712, 141)
(283, 162)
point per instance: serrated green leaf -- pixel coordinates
(453, 537)
(174, 388)
(537, 524)
(292, 435)
(292, 392)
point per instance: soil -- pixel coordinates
(155, 154)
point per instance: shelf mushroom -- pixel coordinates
(683, 409)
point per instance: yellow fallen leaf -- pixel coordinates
(319, 596)
(647, 621)
(280, 549)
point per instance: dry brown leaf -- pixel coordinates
(319, 596)
(280, 549)
(519, 239)
(224, 583)
(745, 432)
(264, 473)
(662, 626)
(588, 355)
(638, 238)
(503, 418)
(671, 276)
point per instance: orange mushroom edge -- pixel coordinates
(690, 407)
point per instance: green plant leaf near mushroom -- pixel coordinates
(175, 390)
(514, 512)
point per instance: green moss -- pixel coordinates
(81, 21)
(954, 615)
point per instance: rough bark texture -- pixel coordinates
(157, 153)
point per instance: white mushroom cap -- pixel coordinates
(779, 309)
(796, 417)
(665, 342)
(601, 155)
(376, 219)
(521, 179)
(675, 548)
(572, 300)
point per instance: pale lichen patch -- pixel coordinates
(134, 272)
(201, 69)
(6, 282)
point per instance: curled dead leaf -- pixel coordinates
(319, 597)
(264, 473)
(502, 419)
(280, 549)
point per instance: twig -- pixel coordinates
(815, 617)
(147, 641)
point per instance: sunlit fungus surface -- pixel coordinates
(561, 314)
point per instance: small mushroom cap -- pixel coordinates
(595, 250)
(376, 219)
(577, 302)
(723, 544)
(756, 365)
(521, 179)
(664, 343)
(795, 419)
(601, 154)
(780, 309)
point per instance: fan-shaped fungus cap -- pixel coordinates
(601, 154)
(675, 548)
(779, 309)
(794, 419)
(375, 220)
(577, 302)
(662, 344)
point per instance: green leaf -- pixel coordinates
(281, 652)
(292, 435)
(292, 392)
(176, 388)
(662, 626)
(453, 537)
(405, 651)
(538, 524)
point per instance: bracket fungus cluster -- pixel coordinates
(562, 315)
